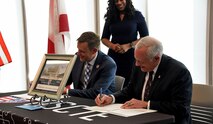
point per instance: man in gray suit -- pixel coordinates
(93, 70)
(168, 91)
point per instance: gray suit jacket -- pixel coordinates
(102, 76)
(170, 92)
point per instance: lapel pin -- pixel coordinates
(159, 76)
(97, 66)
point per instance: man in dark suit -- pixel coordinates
(93, 70)
(171, 87)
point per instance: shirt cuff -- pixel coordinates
(148, 105)
(67, 91)
(113, 98)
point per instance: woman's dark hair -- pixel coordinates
(113, 13)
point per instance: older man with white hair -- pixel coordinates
(157, 82)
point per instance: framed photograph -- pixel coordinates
(52, 75)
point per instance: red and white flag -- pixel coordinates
(4, 53)
(59, 37)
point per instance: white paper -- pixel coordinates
(117, 110)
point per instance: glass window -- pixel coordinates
(13, 75)
(181, 26)
(81, 19)
(37, 32)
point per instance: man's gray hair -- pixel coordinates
(154, 46)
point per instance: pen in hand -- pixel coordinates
(100, 93)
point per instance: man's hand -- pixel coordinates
(134, 103)
(66, 89)
(103, 100)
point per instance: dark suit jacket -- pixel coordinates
(170, 92)
(102, 76)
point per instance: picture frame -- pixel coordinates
(52, 75)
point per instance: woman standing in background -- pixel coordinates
(123, 23)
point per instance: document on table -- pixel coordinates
(117, 110)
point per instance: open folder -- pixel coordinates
(117, 110)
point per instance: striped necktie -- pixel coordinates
(87, 74)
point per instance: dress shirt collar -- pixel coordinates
(92, 62)
(156, 68)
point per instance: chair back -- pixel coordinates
(119, 82)
(202, 104)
